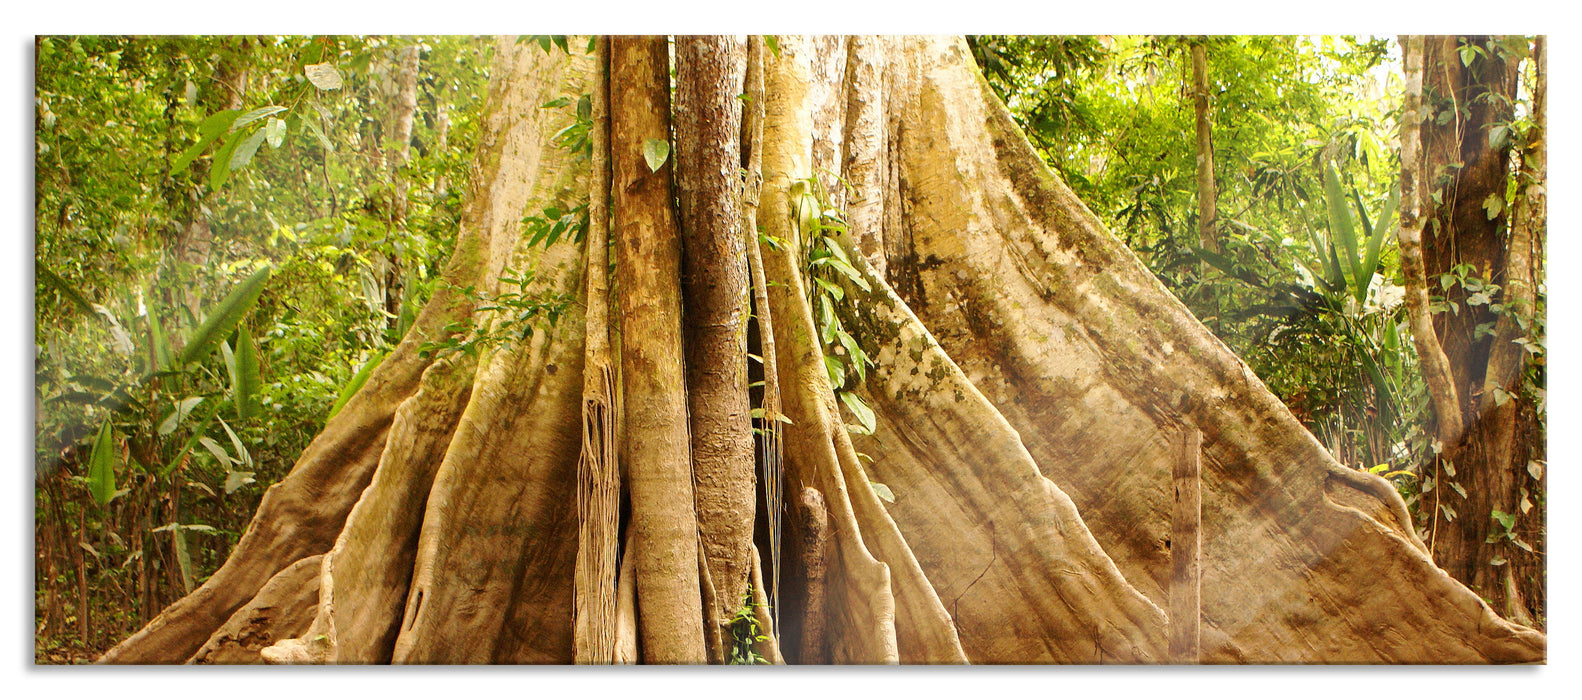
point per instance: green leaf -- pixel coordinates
(66, 290)
(157, 339)
(212, 128)
(882, 491)
(255, 115)
(860, 410)
(846, 270)
(244, 152)
(247, 382)
(1381, 227)
(275, 132)
(1508, 520)
(324, 76)
(183, 408)
(356, 383)
(834, 290)
(230, 366)
(183, 560)
(219, 452)
(836, 370)
(859, 359)
(1342, 231)
(224, 317)
(773, 44)
(655, 152)
(220, 172)
(241, 451)
(101, 465)
(318, 133)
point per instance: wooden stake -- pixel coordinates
(1185, 543)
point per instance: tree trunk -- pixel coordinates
(1486, 420)
(1029, 378)
(648, 263)
(1207, 199)
(715, 285)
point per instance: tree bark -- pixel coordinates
(1207, 199)
(715, 288)
(648, 260)
(1469, 91)
(598, 471)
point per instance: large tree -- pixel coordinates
(972, 395)
(1483, 256)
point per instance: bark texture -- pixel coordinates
(715, 286)
(1207, 199)
(648, 261)
(1031, 378)
(1469, 85)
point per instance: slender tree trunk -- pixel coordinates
(648, 260)
(715, 286)
(598, 472)
(1414, 193)
(402, 113)
(1207, 199)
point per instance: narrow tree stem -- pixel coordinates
(1435, 365)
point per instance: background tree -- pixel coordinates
(1484, 268)
(158, 212)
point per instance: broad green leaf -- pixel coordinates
(773, 44)
(243, 456)
(157, 340)
(834, 290)
(1493, 205)
(318, 133)
(246, 392)
(1343, 232)
(1508, 520)
(859, 359)
(183, 408)
(1381, 228)
(655, 152)
(324, 76)
(256, 115)
(219, 452)
(212, 128)
(860, 410)
(66, 290)
(183, 560)
(224, 316)
(220, 172)
(275, 132)
(101, 465)
(355, 384)
(845, 270)
(836, 370)
(244, 152)
(230, 366)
